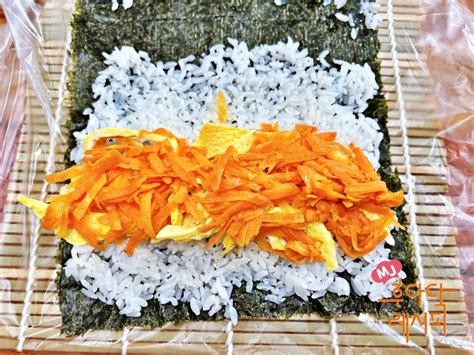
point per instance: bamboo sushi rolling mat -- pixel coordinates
(30, 316)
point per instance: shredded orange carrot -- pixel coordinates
(286, 180)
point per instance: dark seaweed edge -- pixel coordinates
(80, 313)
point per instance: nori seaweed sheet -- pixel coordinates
(171, 29)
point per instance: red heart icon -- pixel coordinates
(386, 270)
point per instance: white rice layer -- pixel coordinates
(172, 273)
(269, 83)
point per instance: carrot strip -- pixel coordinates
(281, 191)
(235, 228)
(145, 213)
(362, 160)
(200, 157)
(120, 187)
(63, 224)
(252, 230)
(180, 167)
(247, 196)
(134, 240)
(114, 218)
(58, 205)
(192, 207)
(366, 188)
(156, 163)
(70, 173)
(392, 199)
(107, 162)
(215, 177)
(82, 206)
(218, 236)
(283, 218)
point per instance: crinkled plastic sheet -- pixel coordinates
(427, 53)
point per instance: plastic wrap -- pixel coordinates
(426, 58)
